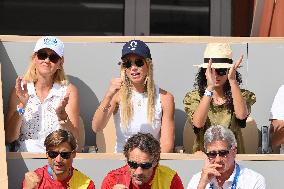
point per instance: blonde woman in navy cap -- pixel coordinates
(137, 104)
(43, 100)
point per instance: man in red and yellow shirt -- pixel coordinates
(143, 170)
(59, 173)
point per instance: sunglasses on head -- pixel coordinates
(42, 55)
(221, 153)
(135, 165)
(54, 154)
(138, 62)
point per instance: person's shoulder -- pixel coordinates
(194, 180)
(246, 91)
(281, 90)
(193, 94)
(249, 173)
(81, 174)
(119, 171)
(165, 95)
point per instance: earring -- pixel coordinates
(146, 80)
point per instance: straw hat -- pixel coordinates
(220, 53)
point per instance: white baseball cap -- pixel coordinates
(52, 43)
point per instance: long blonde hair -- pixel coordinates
(126, 95)
(31, 75)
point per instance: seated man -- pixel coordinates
(277, 121)
(220, 169)
(142, 152)
(58, 174)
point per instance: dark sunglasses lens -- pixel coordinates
(139, 62)
(126, 64)
(221, 71)
(52, 154)
(42, 55)
(132, 165)
(65, 155)
(54, 58)
(212, 154)
(223, 153)
(146, 165)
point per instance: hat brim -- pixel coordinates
(214, 65)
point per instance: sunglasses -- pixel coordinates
(138, 62)
(135, 165)
(221, 153)
(54, 154)
(42, 55)
(221, 71)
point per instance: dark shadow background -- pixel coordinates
(88, 104)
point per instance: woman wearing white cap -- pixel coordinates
(218, 99)
(137, 104)
(43, 100)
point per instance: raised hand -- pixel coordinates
(22, 92)
(233, 69)
(208, 172)
(210, 76)
(114, 86)
(60, 110)
(32, 180)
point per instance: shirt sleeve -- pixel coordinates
(176, 182)
(108, 182)
(277, 109)
(191, 102)
(249, 97)
(91, 185)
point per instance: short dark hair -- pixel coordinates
(144, 142)
(58, 137)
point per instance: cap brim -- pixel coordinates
(214, 65)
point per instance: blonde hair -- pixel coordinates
(31, 75)
(126, 94)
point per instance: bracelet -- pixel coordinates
(105, 109)
(208, 93)
(21, 111)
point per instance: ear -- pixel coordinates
(74, 154)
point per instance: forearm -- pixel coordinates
(13, 127)
(240, 106)
(201, 113)
(102, 115)
(167, 145)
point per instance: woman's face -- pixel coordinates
(136, 68)
(221, 76)
(47, 62)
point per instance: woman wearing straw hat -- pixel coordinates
(137, 104)
(218, 99)
(43, 100)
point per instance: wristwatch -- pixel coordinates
(21, 111)
(208, 93)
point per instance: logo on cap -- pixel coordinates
(133, 45)
(49, 41)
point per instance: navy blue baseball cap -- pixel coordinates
(136, 47)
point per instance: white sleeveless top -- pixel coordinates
(139, 123)
(40, 119)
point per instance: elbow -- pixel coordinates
(242, 116)
(9, 139)
(95, 128)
